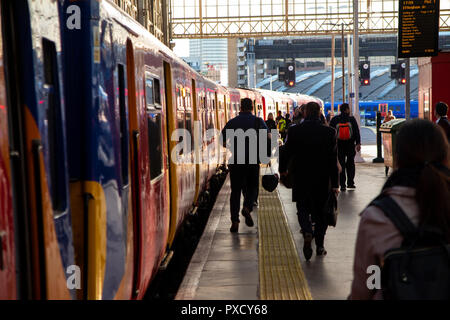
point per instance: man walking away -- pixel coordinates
(349, 141)
(244, 165)
(312, 147)
(441, 112)
(288, 120)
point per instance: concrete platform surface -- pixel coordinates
(225, 265)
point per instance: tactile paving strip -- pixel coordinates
(280, 273)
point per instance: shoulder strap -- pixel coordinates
(393, 211)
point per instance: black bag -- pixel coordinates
(331, 209)
(270, 181)
(420, 268)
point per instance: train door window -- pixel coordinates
(211, 113)
(189, 128)
(153, 100)
(155, 143)
(123, 125)
(54, 120)
(150, 99)
(152, 92)
(181, 126)
(157, 91)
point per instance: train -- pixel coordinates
(369, 109)
(91, 201)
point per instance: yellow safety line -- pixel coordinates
(280, 272)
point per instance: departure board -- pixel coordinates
(418, 31)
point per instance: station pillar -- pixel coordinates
(433, 83)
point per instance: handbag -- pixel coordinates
(270, 181)
(331, 209)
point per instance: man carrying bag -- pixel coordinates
(312, 148)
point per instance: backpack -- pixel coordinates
(420, 268)
(344, 131)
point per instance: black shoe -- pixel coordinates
(321, 251)
(248, 218)
(352, 186)
(234, 227)
(307, 250)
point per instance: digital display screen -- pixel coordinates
(418, 32)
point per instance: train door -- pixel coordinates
(171, 126)
(383, 108)
(197, 140)
(217, 112)
(225, 106)
(38, 143)
(8, 281)
(134, 163)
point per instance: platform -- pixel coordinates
(266, 261)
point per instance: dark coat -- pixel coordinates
(342, 118)
(312, 148)
(244, 121)
(271, 124)
(445, 125)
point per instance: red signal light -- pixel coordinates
(366, 82)
(291, 83)
(403, 81)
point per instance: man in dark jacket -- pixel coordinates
(311, 148)
(349, 141)
(244, 163)
(441, 112)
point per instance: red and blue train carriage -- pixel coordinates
(35, 212)
(91, 179)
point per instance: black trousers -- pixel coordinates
(312, 219)
(244, 178)
(346, 156)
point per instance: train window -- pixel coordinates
(180, 125)
(152, 92)
(157, 91)
(397, 108)
(123, 125)
(150, 99)
(54, 120)
(155, 144)
(189, 100)
(189, 128)
(211, 122)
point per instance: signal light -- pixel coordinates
(402, 81)
(291, 83)
(364, 73)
